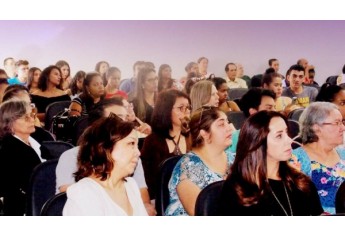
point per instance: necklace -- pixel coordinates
(281, 205)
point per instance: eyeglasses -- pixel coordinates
(184, 108)
(337, 123)
(203, 108)
(28, 117)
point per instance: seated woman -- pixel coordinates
(19, 154)
(168, 138)
(204, 93)
(65, 75)
(145, 94)
(49, 90)
(261, 183)
(113, 77)
(76, 85)
(108, 155)
(93, 92)
(33, 78)
(222, 88)
(206, 163)
(321, 131)
(334, 94)
(274, 81)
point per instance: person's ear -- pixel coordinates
(316, 128)
(205, 136)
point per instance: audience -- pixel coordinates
(261, 183)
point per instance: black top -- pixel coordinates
(148, 108)
(17, 161)
(42, 102)
(302, 204)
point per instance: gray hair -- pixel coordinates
(11, 111)
(315, 113)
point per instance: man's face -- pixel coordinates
(296, 79)
(231, 73)
(23, 71)
(275, 66)
(267, 104)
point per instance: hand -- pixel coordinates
(145, 129)
(151, 211)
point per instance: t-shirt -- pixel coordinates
(304, 98)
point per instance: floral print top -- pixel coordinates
(326, 179)
(191, 167)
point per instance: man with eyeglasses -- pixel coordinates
(67, 164)
(304, 94)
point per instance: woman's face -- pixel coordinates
(223, 93)
(35, 77)
(80, 82)
(96, 87)
(25, 125)
(114, 79)
(55, 77)
(126, 154)
(166, 73)
(339, 100)
(151, 82)
(221, 132)
(214, 100)
(180, 110)
(64, 71)
(103, 68)
(278, 141)
(330, 131)
(276, 86)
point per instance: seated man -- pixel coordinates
(304, 94)
(254, 100)
(67, 164)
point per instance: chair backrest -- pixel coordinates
(79, 127)
(340, 199)
(41, 135)
(54, 149)
(41, 186)
(162, 192)
(295, 114)
(234, 93)
(208, 199)
(54, 205)
(293, 127)
(237, 118)
(52, 110)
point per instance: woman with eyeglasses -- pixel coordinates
(320, 157)
(261, 182)
(206, 163)
(170, 134)
(19, 154)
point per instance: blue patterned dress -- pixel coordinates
(191, 167)
(326, 179)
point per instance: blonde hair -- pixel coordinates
(200, 94)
